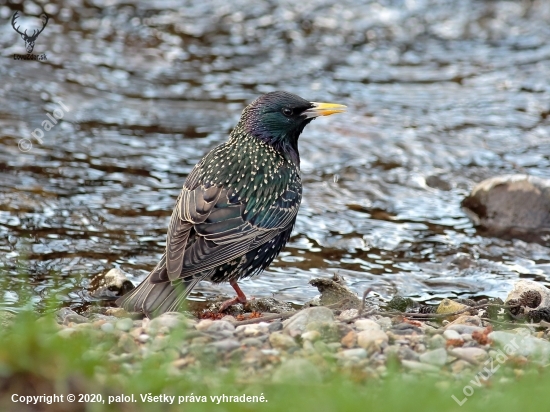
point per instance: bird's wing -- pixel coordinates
(210, 227)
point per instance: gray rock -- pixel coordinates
(226, 345)
(297, 371)
(281, 341)
(275, 326)
(358, 353)
(269, 305)
(255, 342)
(304, 317)
(524, 285)
(511, 204)
(372, 340)
(107, 327)
(437, 357)
(221, 325)
(465, 329)
(418, 366)
(366, 324)
(124, 324)
(521, 343)
(328, 331)
(335, 291)
(471, 353)
(168, 320)
(437, 341)
(451, 334)
(62, 313)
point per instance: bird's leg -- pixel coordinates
(240, 298)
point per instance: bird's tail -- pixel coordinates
(153, 299)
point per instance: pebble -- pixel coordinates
(220, 325)
(366, 324)
(464, 329)
(311, 335)
(304, 317)
(204, 324)
(252, 342)
(358, 353)
(108, 327)
(472, 353)
(417, 366)
(226, 345)
(280, 340)
(124, 324)
(521, 343)
(350, 340)
(451, 335)
(372, 339)
(437, 357)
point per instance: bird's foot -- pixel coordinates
(240, 298)
(231, 302)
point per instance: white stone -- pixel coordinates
(366, 324)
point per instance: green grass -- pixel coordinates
(34, 360)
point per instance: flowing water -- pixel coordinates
(441, 95)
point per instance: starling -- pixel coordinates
(237, 207)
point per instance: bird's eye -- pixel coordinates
(287, 112)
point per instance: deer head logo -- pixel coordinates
(29, 39)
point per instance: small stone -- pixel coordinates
(449, 306)
(418, 366)
(108, 327)
(165, 322)
(459, 366)
(350, 340)
(472, 353)
(117, 312)
(366, 324)
(75, 318)
(144, 338)
(127, 343)
(347, 315)
(451, 335)
(281, 341)
(437, 357)
(257, 329)
(306, 316)
(328, 331)
(226, 345)
(66, 333)
(221, 325)
(437, 341)
(297, 370)
(521, 343)
(372, 339)
(462, 328)
(255, 342)
(124, 324)
(275, 326)
(204, 324)
(358, 353)
(311, 335)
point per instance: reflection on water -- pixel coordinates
(441, 95)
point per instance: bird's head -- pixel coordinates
(278, 118)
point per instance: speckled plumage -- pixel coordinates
(236, 209)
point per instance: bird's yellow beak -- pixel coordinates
(324, 109)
